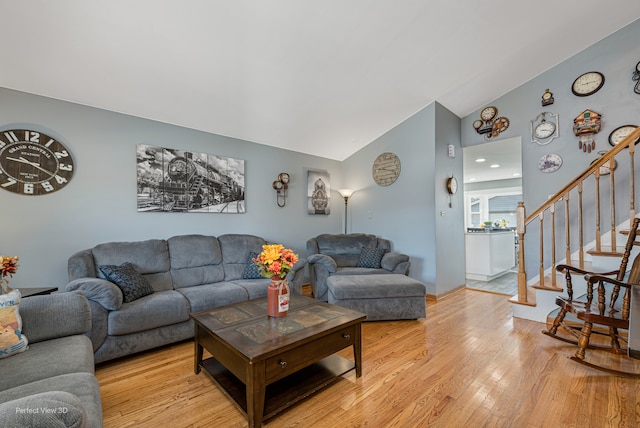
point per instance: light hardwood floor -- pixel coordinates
(468, 364)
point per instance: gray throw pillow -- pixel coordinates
(132, 284)
(251, 269)
(371, 258)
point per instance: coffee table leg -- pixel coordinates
(357, 350)
(255, 394)
(198, 350)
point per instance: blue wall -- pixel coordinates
(616, 57)
(414, 211)
(99, 204)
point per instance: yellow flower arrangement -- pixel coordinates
(8, 266)
(275, 261)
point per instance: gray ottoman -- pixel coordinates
(380, 296)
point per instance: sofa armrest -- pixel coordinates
(323, 260)
(55, 315)
(50, 409)
(99, 290)
(392, 261)
(296, 275)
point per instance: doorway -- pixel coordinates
(492, 189)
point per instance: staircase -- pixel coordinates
(580, 203)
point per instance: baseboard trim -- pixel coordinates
(449, 293)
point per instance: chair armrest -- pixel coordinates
(568, 268)
(593, 278)
(55, 315)
(391, 260)
(323, 260)
(99, 290)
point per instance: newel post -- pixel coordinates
(522, 275)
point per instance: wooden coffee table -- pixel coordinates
(265, 364)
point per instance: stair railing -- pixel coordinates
(576, 185)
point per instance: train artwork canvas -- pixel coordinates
(172, 180)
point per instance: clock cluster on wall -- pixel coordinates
(545, 127)
(490, 124)
(33, 163)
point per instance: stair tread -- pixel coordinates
(607, 251)
(548, 284)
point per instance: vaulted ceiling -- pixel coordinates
(324, 77)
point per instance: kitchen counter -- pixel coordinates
(489, 254)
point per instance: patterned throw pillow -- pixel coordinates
(132, 284)
(12, 341)
(251, 269)
(371, 258)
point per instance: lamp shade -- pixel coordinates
(346, 193)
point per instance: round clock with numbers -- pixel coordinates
(33, 163)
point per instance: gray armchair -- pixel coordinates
(352, 254)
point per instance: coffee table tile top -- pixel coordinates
(272, 328)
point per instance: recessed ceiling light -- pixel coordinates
(480, 160)
(495, 165)
(516, 174)
(472, 179)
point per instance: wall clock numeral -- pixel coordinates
(36, 166)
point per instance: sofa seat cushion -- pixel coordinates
(82, 385)
(255, 288)
(210, 296)
(155, 310)
(42, 360)
(360, 271)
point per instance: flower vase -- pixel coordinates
(278, 298)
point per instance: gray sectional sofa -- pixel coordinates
(186, 273)
(52, 383)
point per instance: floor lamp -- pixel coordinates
(346, 194)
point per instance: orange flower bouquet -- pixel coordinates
(275, 261)
(8, 266)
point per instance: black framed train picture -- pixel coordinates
(171, 180)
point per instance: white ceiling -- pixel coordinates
(507, 154)
(324, 77)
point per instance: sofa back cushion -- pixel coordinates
(345, 249)
(195, 260)
(149, 258)
(235, 253)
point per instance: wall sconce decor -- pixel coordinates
(281, 185)
(346, 194)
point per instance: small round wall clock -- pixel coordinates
(386, 169)
(33, 163)
(587, 84)
(452, 187)
(620, 133)
(550, 162)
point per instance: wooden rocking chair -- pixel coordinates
(606, 312)
(567, 303)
